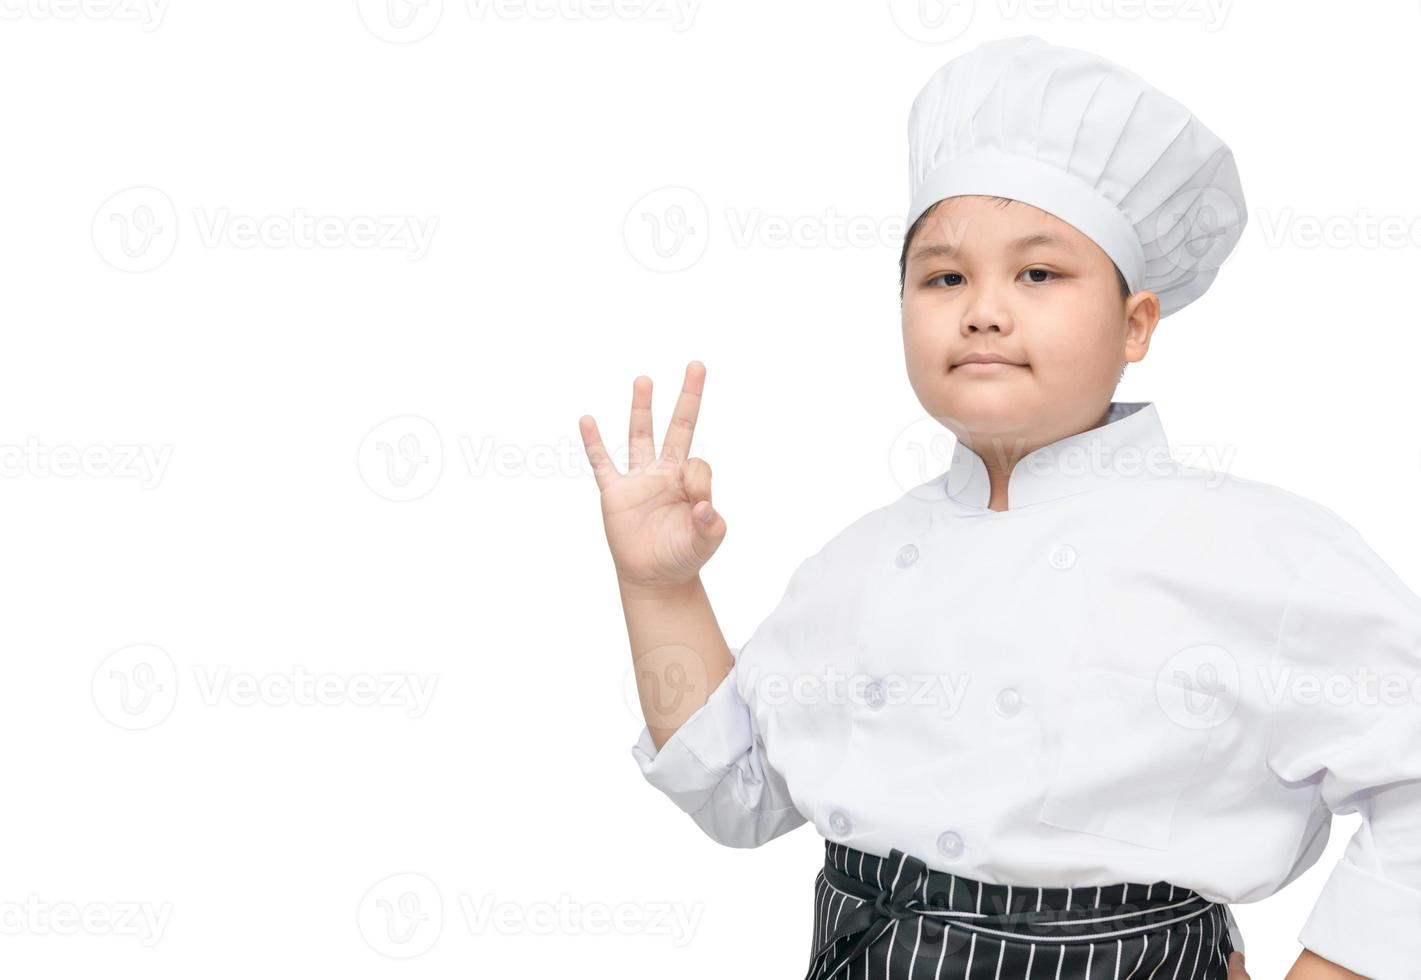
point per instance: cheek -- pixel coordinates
(1081, 318)
(1080, 347)
(924, 345)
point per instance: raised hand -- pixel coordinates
(658, 516)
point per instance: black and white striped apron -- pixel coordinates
(894, 919)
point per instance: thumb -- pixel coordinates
(1236, 970)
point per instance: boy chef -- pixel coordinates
(1157, 683)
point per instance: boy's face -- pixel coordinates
(983, 277)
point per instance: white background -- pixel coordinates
(266, 541)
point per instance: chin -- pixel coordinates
(987, 407)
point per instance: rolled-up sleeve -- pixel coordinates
(1348, 716)
(715, 766)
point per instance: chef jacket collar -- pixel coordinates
(1129, 445)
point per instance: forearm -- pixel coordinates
(1310, 966)
(679, 652)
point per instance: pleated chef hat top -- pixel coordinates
(1091, 143)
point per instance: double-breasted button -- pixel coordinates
(907, 555)
(949, 843)
(1008, 701)
(840, 823)
(1063, 557)
(873, 695)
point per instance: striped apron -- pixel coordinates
(891, 918)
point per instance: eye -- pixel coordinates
(1046, 272)
(944, 275)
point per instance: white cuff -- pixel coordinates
(1366, 923)
(699, 754)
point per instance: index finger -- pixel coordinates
(677, 444)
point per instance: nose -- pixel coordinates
(986, 310)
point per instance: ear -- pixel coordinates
(1141, 318)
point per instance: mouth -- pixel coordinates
(986, 367)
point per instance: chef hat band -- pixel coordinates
(1089, 142)
(991, 172)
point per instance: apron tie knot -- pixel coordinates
(863, 926)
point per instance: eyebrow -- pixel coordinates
(947, 250)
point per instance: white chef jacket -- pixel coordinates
(1140, 671)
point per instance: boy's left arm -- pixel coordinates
(1349, 664)
(1310, 966)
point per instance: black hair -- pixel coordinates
(908, 240)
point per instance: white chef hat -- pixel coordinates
(1090, 142)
